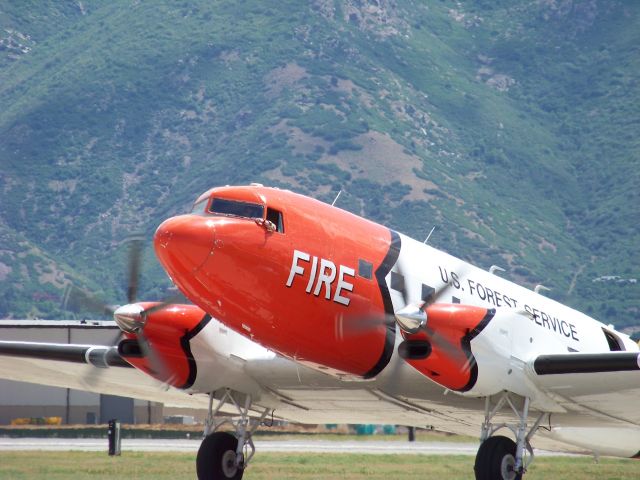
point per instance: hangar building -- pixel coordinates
(26, 400)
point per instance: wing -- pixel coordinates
(604, 383)
(93, 368)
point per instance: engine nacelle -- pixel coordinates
(168, 332)
(449, 329)
(477, 351)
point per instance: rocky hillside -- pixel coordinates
(509, 125)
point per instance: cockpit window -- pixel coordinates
(275, 217)
(200, 207)
(221, 206)
(615, 345)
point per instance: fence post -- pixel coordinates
(114, 437)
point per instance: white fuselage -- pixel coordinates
(558, 328)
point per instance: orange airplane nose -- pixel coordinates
(184, 243)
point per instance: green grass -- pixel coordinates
(159, 466)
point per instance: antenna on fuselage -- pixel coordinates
(540, 288)
(336, 199)
(495, 268)
(426, 240)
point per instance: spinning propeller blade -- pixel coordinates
(411, 319)
(130, 318)
(135, 258)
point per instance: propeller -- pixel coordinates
(412, 318)
(131, 318)
(77, 300)
(135, 261)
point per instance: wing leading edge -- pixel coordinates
(604, 384)
(96, 355)
(94, 368)
(570, 363)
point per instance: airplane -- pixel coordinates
(305, 312)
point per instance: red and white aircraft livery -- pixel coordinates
(307, 312)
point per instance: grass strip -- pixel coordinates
(312, 466)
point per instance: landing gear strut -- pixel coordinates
(223, 455)
(499, 457)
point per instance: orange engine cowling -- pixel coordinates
(442, 349)
(167, 332)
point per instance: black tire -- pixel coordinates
(496, 459)
(216, 458)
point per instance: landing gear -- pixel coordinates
(496, 460)
(499, 457)
(223, 455)
(217, 457)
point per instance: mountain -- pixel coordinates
(510, 126)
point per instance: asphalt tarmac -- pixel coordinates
(284, 446)
(191, 445)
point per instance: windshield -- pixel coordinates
(235, 208)
(200, 207)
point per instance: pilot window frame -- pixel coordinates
(276, 217)
(614, 342)
(200, 208)
(218, 206)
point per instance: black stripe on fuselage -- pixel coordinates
(383, 270)
(586, 363)
(186, 348)
(466, 347)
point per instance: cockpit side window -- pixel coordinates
(200, 207)
(615, 345)
(235, 208)
(275, 217)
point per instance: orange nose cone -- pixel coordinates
(183, 244)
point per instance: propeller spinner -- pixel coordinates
(129, 318)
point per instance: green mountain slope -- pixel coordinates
(511, 126)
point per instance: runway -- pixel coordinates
(282, 446)
(185, 445)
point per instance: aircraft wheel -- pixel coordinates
(496, 460)
(216, 458)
